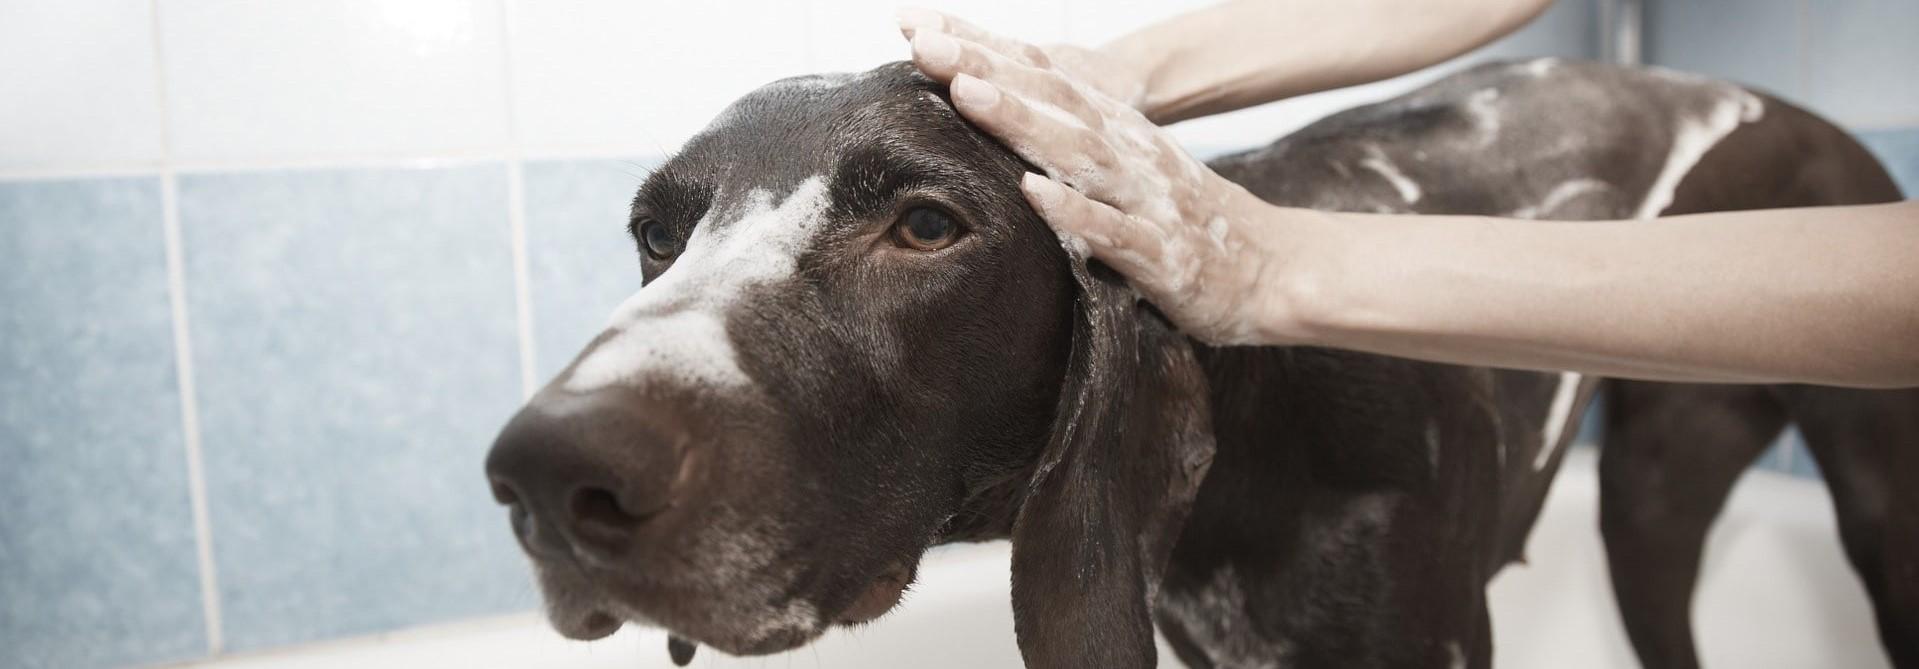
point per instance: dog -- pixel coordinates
(856, 341)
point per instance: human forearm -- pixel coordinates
(1712, 297)
(1826, 295)
(1247, 52)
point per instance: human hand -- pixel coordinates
(1109, 74)
(1185, 237)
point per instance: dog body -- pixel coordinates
(797, 405)
(1393, 490)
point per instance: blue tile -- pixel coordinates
(355, 348)
(1777, 457)
(1788, 455)
(1861, 54)
(1592, 427)
(97, 558)
(580, 261)
(1899, 151)
(1802, 465)
(1754, 42)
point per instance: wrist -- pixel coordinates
(1297, 298)
(1137, 61)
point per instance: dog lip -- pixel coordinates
(617, 601)
(878, 598)
(593, 626)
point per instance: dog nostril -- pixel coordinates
(504, 494)
(600, 508)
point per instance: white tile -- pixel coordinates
(861, 34)
(612, 77)
(279, 81)
(1096, 22)
(77, 85)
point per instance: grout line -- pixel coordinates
(516, 209)
(339, 162)
(522, 288)
(183, 357)
(454, 158)
(84, 172)
(190, 414)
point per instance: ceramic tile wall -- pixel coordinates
(276, 272)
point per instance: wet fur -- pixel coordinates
(1366, 557)
(1271, 506)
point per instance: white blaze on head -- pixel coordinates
(675, 327)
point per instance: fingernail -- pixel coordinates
(936, 49)
(913, 19)
(974, 92)
(1043, 190)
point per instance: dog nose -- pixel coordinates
(585, 472)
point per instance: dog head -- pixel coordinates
(855, 341)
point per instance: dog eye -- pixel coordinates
(926, 229)
(659, 241)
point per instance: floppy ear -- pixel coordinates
(1131, 442)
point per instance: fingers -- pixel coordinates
(943, 57)
(1045, 135)
(914, 20)
(1132, 246)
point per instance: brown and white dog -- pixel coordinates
(856, 341)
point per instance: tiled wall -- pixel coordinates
(98, 564)
(276, 271)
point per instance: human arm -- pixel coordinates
(1248, 52)
(1820, 295)
(1826, 295)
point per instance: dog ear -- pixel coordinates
(1132, 439)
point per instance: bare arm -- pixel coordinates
(1826, 295)
(1243, 53)
(1821, 295)
(1248, 52)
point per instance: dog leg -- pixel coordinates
(1482, 651)
(1670, 457)
(1867, 446)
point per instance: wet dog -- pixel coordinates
(856, 341)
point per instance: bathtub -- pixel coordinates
(1776, 592)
